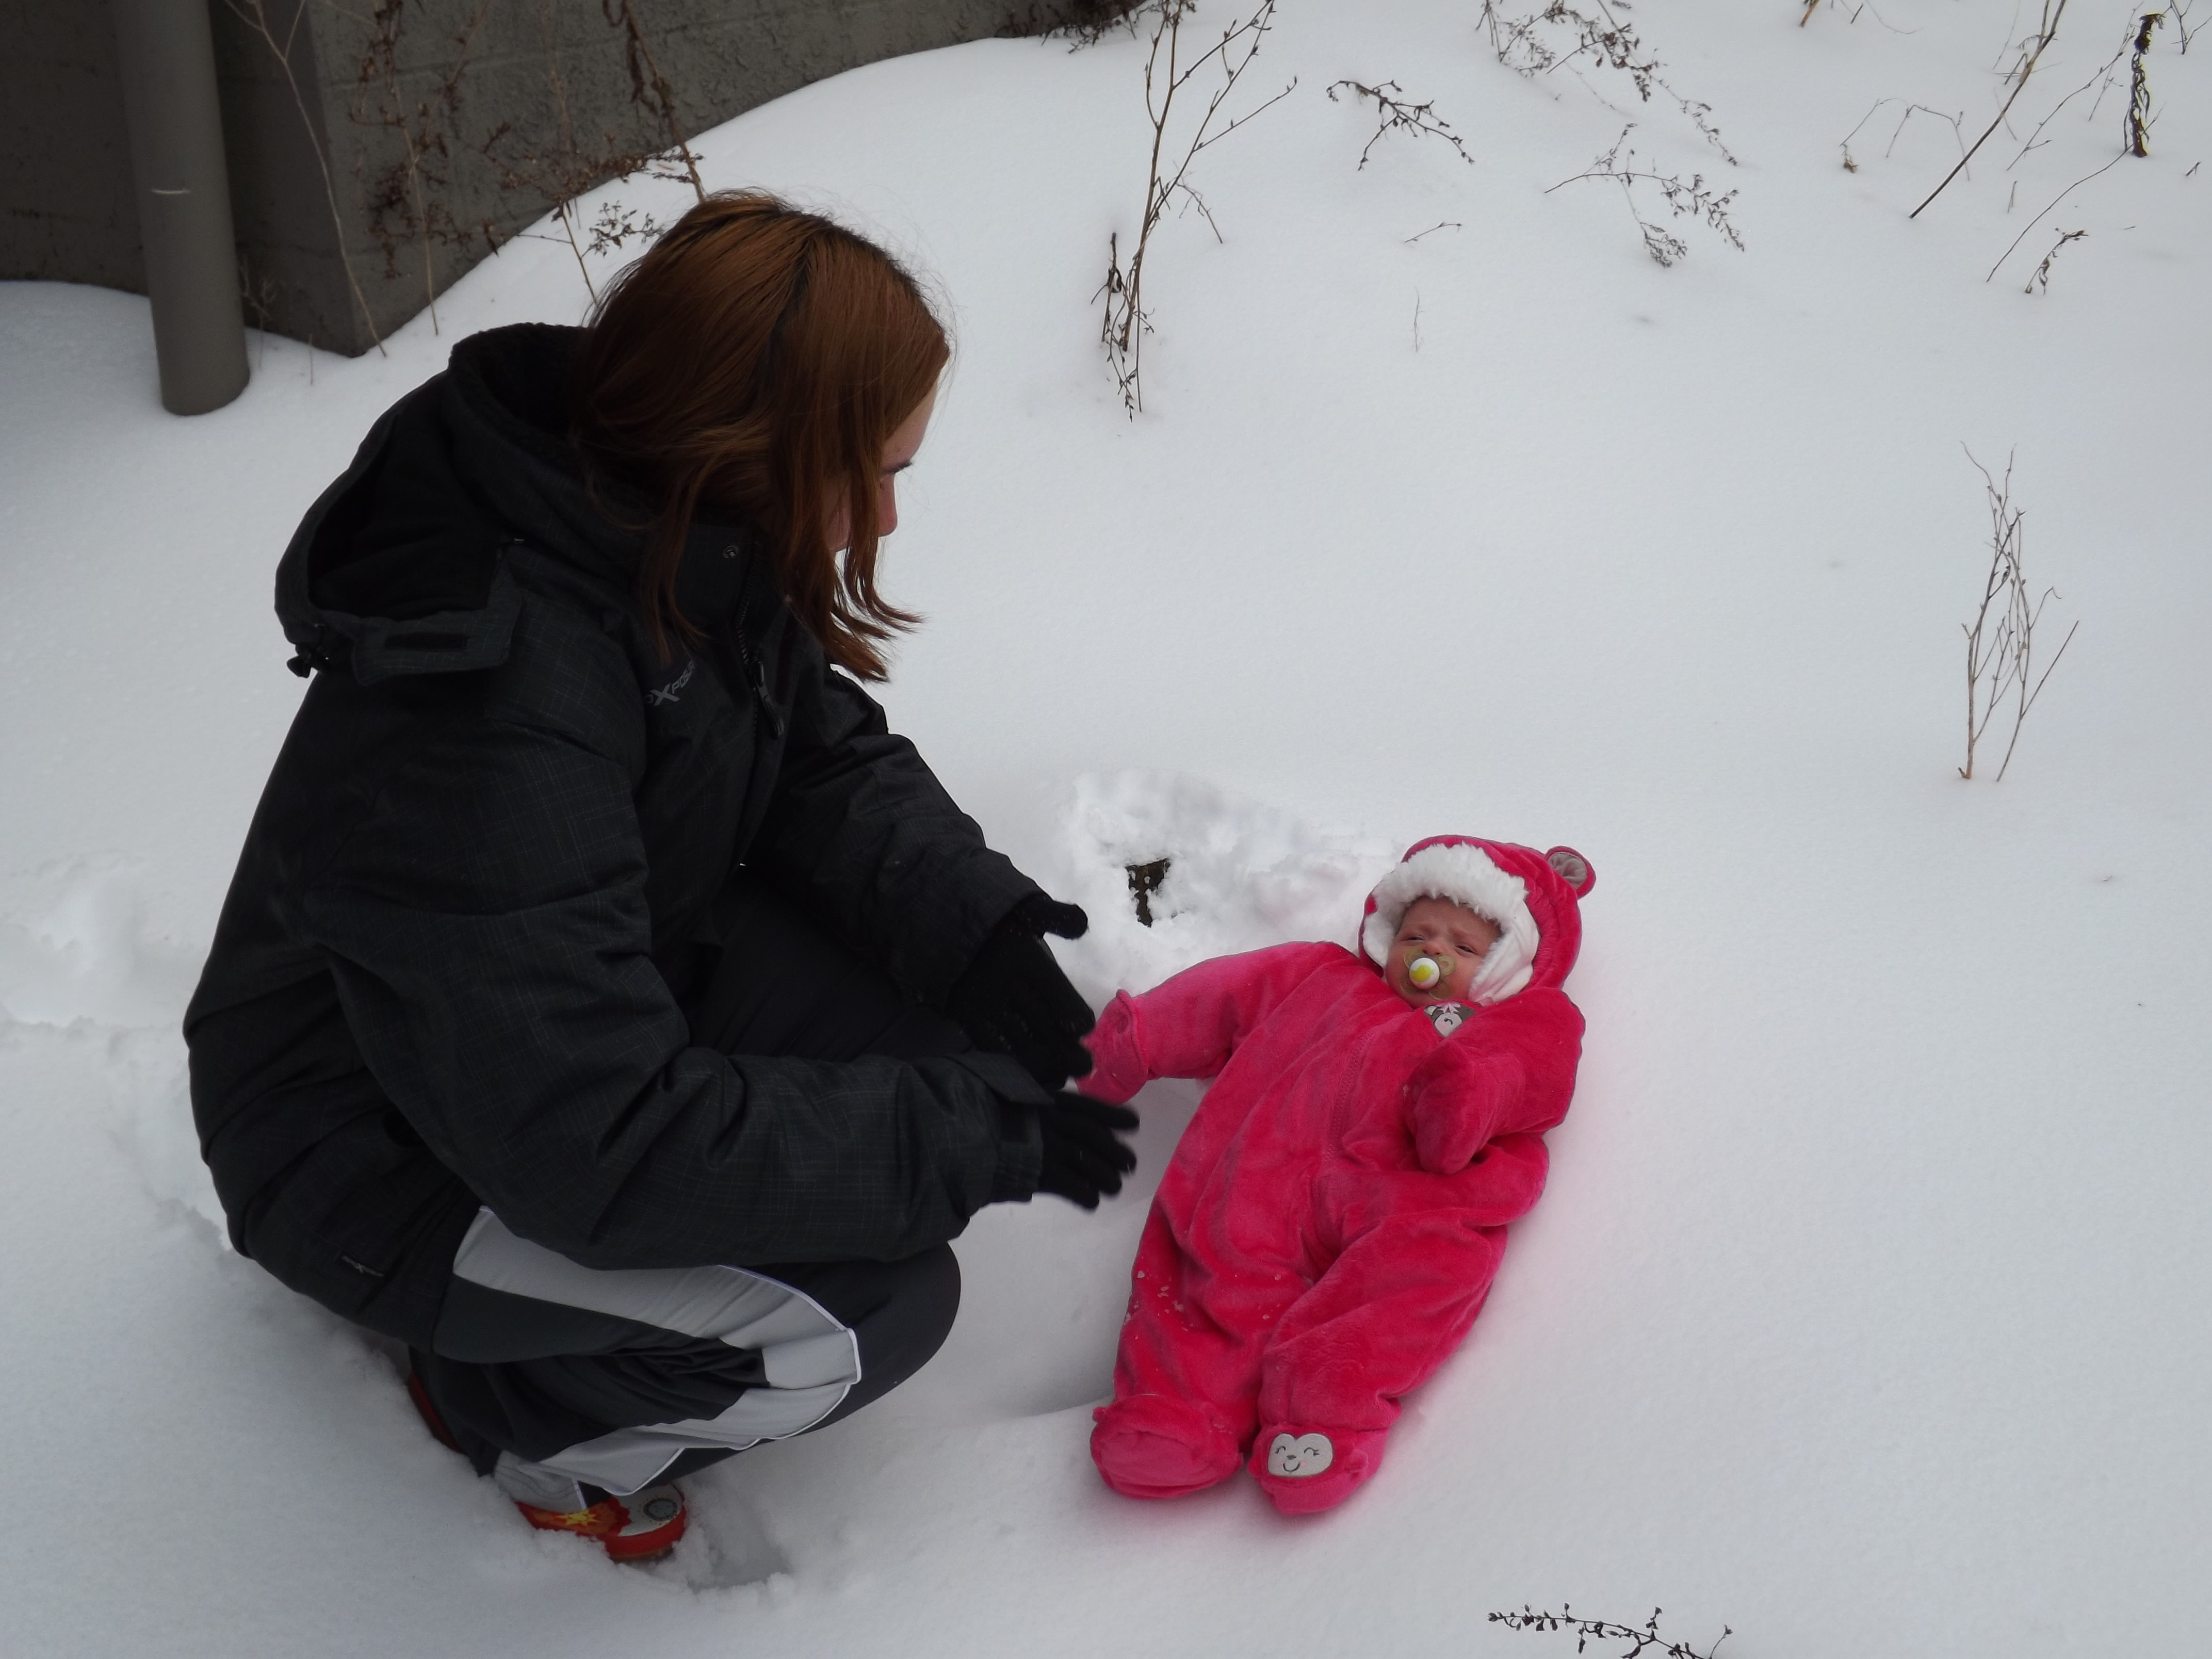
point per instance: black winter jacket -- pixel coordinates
(478, 886)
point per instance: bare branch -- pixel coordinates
(1693, 199)
(2041, 278)
(1126, 322)
(1586, 1631)
(1523, 45)
(255, 16)
(1400, 115)
(2139, 118)
(2001, 638)
(2031, 55)
(2053, 203)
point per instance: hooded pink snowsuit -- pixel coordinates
(1332, 1218)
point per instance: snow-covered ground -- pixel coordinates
(1867, 1310)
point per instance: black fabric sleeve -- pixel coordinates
(862, 833)
(488, 934)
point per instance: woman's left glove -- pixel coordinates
(1013, 999)
(1085, 1158)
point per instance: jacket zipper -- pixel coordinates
(755, 672)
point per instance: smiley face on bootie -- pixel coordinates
(1290, 1457)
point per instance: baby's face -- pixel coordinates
(1450, 935)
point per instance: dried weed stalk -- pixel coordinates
(1561, 34)
(255, 15)
(2101, 81)
(559, 173)
(258, 294)
(1082, 23)
(2040, 282)
(1695, 200)
(1400, 115)
(649, 89)
(2139, 117)
(2001, 639)
(2047, 207)
(1126, 321)
(1956, 122)
(407, 202)
(1640, 1637)
(2031, 54)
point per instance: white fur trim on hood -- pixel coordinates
(1462, 875)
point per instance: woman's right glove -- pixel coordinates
(1015, 999)
(1084, 1155)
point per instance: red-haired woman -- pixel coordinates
(606, 1005)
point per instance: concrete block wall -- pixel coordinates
(370, 139)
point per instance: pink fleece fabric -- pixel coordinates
(1330, 1220)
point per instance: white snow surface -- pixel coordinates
(1866, 1312)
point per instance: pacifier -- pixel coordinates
(1424, 972)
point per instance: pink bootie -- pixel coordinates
(1305, 1470)
(1151, 1446)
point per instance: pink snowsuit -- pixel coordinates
(1330, 1223)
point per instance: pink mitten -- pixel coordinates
(1458, 1099)
(1117, 1059)
(1305, 1470)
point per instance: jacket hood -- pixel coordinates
(1535, 898)
(400, 565)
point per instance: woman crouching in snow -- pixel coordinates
(607, 1006)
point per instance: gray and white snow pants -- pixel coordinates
(564, 1381)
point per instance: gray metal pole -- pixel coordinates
(167, 60)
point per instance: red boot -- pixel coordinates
(644, 1527)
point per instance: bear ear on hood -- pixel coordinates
(1572, 868)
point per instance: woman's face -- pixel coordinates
(898, 455)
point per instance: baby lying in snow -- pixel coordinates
(1330, 1223)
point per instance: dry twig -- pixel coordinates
(1955, 122)
(2053, 203)
(255, 15)
(2101, 80)
(649, 88)
(1126, 321)
(1586, 1631)
(1401, 115)
(2001, 639)
(2031, 53)
(2139, 116)
(2041, 279)
(1695, 200)
(559, 172)
(1081, 23)
(407, 199)
(1522, 44)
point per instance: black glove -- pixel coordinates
(1015, 1000)
(1084, 1155)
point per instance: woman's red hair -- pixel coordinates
(754, 362)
